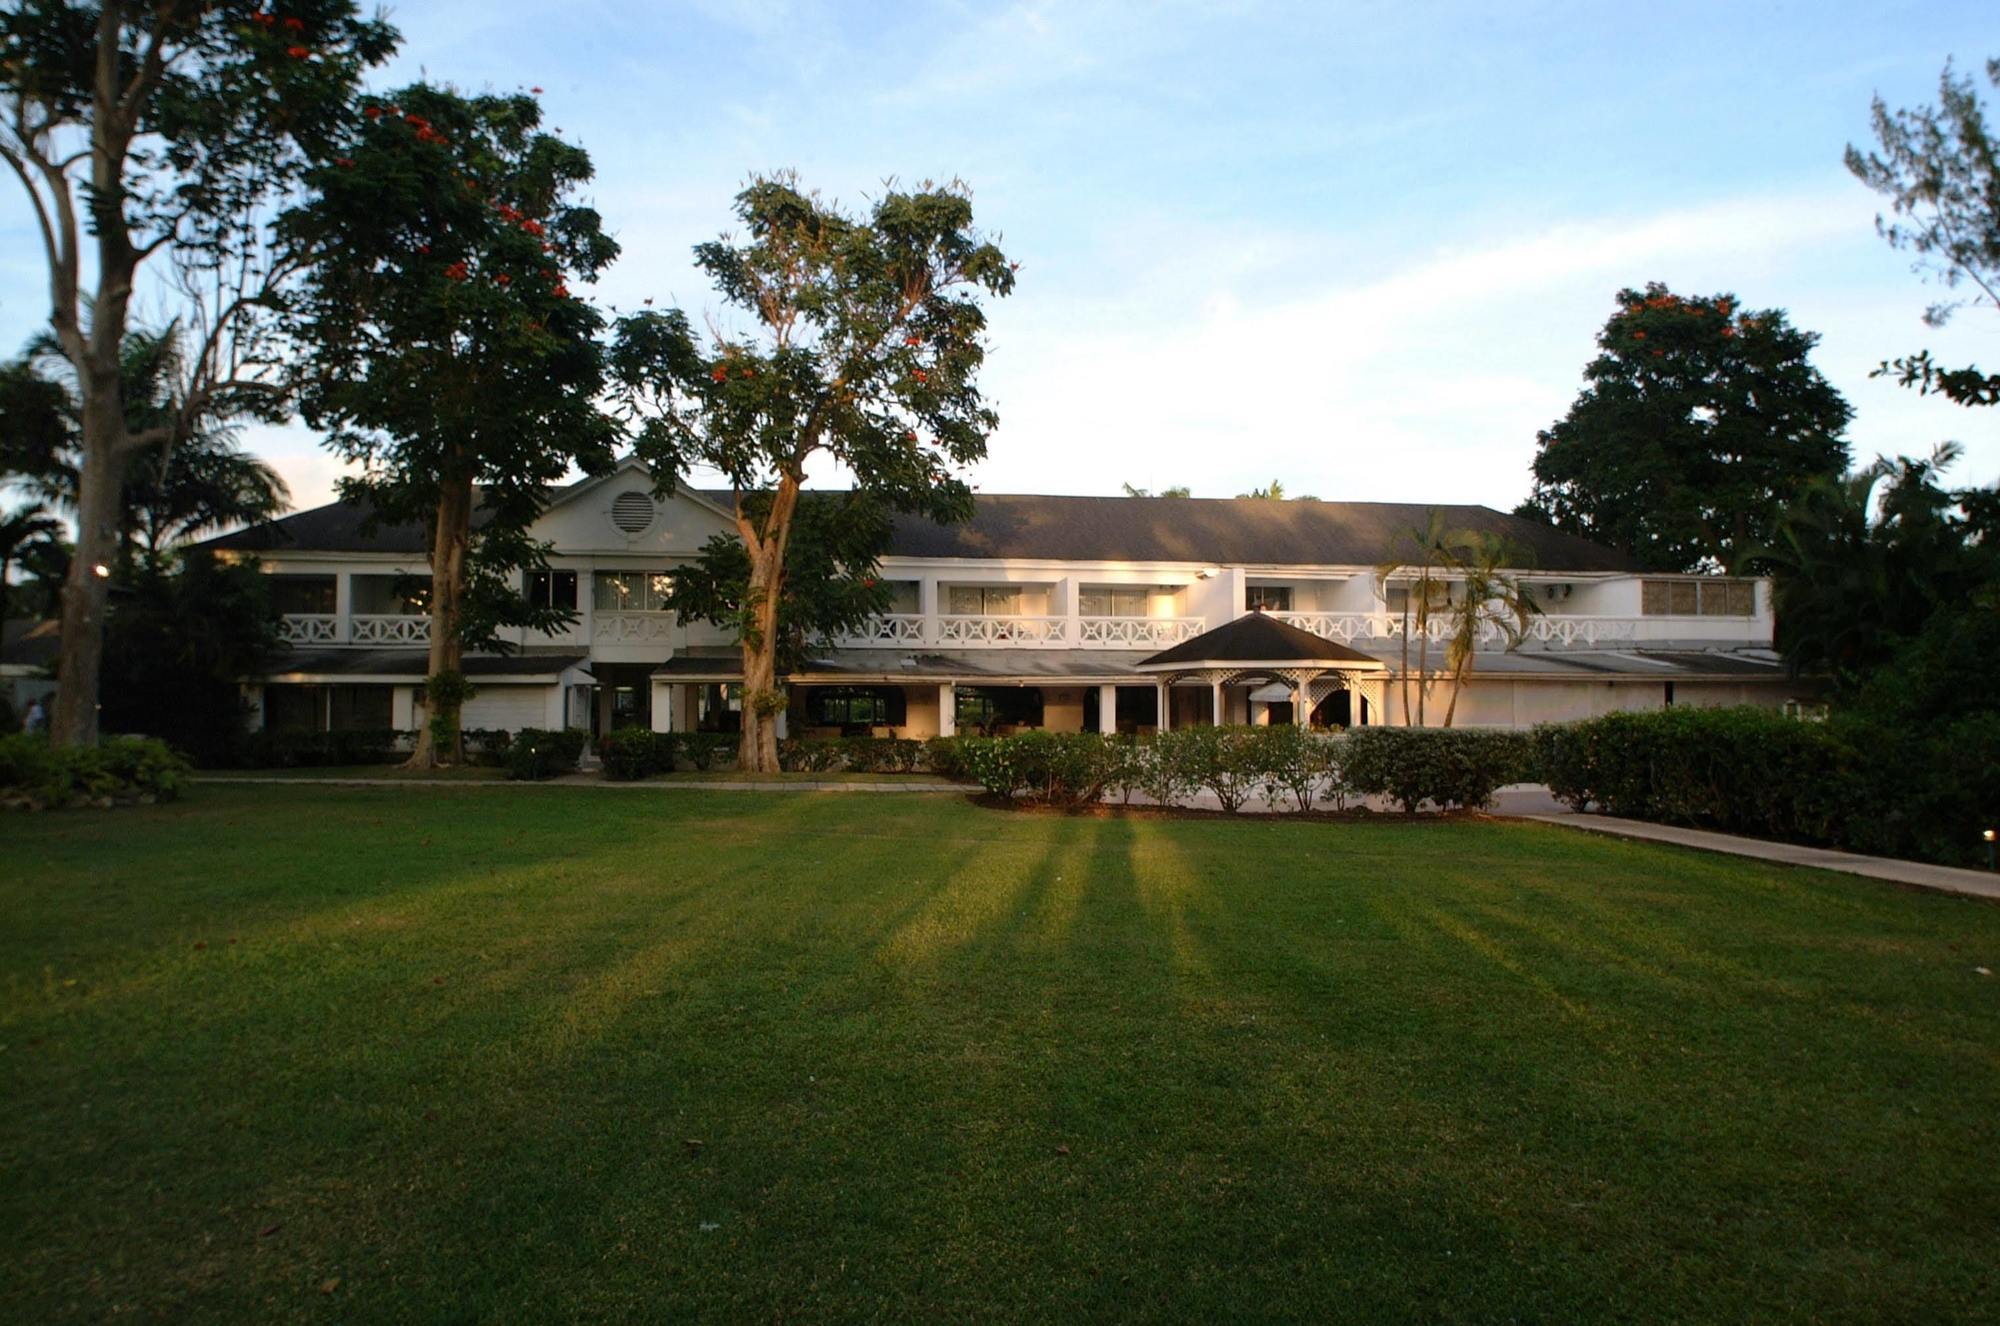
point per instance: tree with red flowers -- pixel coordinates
(447, 353)
(153, 141)
(859, 342)
(1698, 421)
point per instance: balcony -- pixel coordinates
(327, 628)
(632, 628)
(997, 631)
(1549, 631)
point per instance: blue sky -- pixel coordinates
(1364, 248)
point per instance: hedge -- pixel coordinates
(1847, 782)
(539, 753)
(1441, 767)
(119, 770)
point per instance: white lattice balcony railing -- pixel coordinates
(1554, 630)
(1137, 632)
(632, 628)
(978, 632)
(309, 628)
(892, 628)
(389, 629)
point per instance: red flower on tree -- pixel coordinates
(343, 162)
(720, 374)
(297, 52)
(458, 271)
(912, 340)
(535, 91)
(373, 112)
(262, 19)
(295, 25)
(920, 375)
(504, 279)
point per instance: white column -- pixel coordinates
(1107, 708)
(1301, 705)
(947, 709)
(1165, 705)
(1070, 588)
(1216, 687)
(663, 706)
(927, 604)
(343, 606)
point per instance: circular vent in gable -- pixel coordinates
(632, 512)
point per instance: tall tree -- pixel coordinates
(1178, 490)
(1697, 422)
(447, 352)
(1939, 166)
(169, 127)
(861, 345)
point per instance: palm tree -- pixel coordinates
(20, 532)
(1419, 556)
(1489, 595)
(171, 492)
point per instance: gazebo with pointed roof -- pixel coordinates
(1260, 648)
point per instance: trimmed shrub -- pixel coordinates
(806, 756)
(632, 753)
(1064, 769)
(704, 750)
(487, 746)
(309, 750)
(38, 776)
(1295, 765)
(945, 757)
(538, 753)
(1221, 760)
(1443, 767)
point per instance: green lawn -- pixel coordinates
(375, 1054)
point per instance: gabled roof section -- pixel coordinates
(1257, 637)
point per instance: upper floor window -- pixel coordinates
(1268, 598)
(1698, 598)
(630, 591)
(552, 589)
(302, 594)
(1113, 600)
(905, 596)
(985, 600)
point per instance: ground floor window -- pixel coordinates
(989, 707)
(855, 706)
(289, 708)
(718, 707)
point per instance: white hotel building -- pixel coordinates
(1069, 613)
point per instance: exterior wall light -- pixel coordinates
(102, 571)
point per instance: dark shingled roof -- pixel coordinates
(31, 644)
(1257, 638)
(1228, 531)
(1232, 531)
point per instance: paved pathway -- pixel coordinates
(1978, 883)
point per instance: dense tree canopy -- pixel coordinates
(1697, 422)
(168, 128)
(447, 352)
(860, 343)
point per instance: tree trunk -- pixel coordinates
(85, 592)
(449, 540)
(758, 752)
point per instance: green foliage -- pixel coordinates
(320, 750)
(1296, 765)
(1860, 566)
(1219, 760)
(536, 753)
(1697, 422)
(1063, 769)
(178, 640)
(445, 694)
(37, 776)
(809, 756)
(704, 750)
(945, 757)
(832, 580)
(1851, 782)
(1441, 767)
(631, 753)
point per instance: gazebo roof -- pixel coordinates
(1257, 638)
